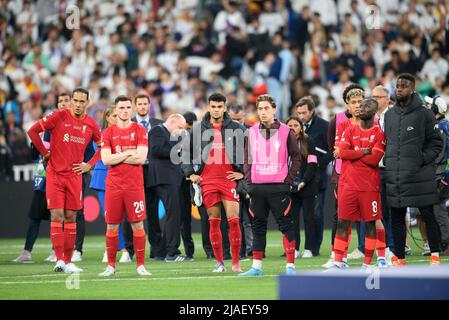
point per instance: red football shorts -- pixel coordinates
(215, 192)
(359, 205)
(64, 192)
(116, 202)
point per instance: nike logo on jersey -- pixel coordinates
(113, 138)
(67, 125)
(356, 137)
(410, 128)
(139, 215)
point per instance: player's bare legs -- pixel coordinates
(235, 233)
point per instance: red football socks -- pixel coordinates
(235, 238)
(69, 240)
(111, 246)
(289, 247)
(57, 239)
(345, 255)
(380, 244)
(139, 245)
(370, 245)
(340, 245)
(216, 238)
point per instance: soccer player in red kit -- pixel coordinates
(71, 130)
(218, 177)
(124, 149)
(361, 147)
(353, 96)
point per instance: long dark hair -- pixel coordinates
(303, 138)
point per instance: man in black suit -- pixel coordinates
(316, 128)
(142, 107)
(166, 178)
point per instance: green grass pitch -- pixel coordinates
(179, 281)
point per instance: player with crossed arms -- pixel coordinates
(125, 148)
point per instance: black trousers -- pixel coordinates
(32, 233)
(400, 231)
(171, 236)
(246, 222)
(186, 219)
(157, 244)
(335, 216)
(308, 209)
(273, 197)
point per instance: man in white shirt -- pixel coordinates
(435, 67)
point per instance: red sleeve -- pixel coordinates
(33, 133)
(377, 151)
(96, 134)
(95, 158)
(345, 145)
(106, 139)
(142, 138)
(51, 120)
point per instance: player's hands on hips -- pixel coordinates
(82, 167)
(233, 176)
(46, 157)
(366, 151)
(195, 178)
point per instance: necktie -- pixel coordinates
(145, 124)
(306, 127)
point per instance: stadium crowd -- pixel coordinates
(180, 52)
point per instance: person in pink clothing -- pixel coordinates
(271, 165)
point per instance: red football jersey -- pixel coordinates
(124, 176)
(217, 163)
(340, 129)
(69, 138)
(362, 174)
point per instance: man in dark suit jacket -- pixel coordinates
(142, 105)
(317, 129)
(166, 178)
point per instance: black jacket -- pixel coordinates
(412, 145)
(161, 170)
(318, 132)
(153, 122)
(309, 174)
(234, 147)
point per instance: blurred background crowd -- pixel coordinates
(180, 51)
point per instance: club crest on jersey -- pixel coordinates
(132, 135)
(84, 129)
(66, 137)
(371, 138)
(118, 149)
